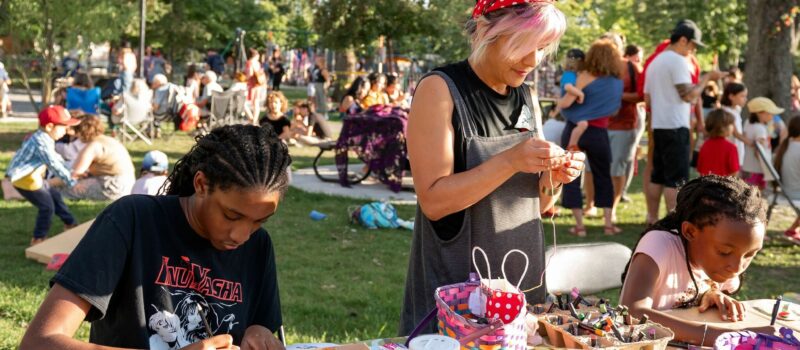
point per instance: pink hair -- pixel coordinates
(534, 26)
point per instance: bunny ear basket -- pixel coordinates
(484, 313)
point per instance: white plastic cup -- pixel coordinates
(433, 342)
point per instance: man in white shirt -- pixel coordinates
(669, 92)
(210, 82)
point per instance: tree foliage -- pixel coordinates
(344, 24)
(195, 25)
(45, 27)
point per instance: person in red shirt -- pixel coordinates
(718, 156)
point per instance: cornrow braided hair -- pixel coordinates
(705, 201)
(242, 156)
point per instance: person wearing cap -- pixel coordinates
(670, 93)
(483, 172)
(29, 164)
(155, 167)
(761, 110)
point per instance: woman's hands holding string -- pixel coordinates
(536, 155)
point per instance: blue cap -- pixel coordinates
(155, 161)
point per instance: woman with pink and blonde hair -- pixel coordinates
(483, 172)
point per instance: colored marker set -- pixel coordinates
(577, 326)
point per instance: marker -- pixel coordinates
(591, 329)
(614, 328)
(641, 337)
(631, 330)
(644, 319)
(603, 308)
(652, 332)
(578, 298)
(775, 310)
(574, 312)
(626, 316)
(205, 321)
(551, 308)
(594, 341)
(560, 302)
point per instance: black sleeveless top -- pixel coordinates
(493, 114)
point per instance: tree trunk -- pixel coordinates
(49, 54)
(768, 70)
(345, 67)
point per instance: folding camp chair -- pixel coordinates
(777, 195)
(135, 115)
(227, 108)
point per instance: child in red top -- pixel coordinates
(718, 156)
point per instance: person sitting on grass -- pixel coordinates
(695, 256)
(309, 128)
(152, 270)
(275, 116)
(28, 166)
(155, 167)
(104, 168)
(718, 155)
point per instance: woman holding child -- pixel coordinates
(586, 130)
(483, 172)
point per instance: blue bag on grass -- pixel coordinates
(379, 215)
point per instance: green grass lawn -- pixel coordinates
(339, 282)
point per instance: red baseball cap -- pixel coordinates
(57, 115)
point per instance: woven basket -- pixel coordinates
(452, 305)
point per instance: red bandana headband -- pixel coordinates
(486, 6)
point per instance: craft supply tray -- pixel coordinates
(556, 327)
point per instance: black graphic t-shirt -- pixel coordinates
(144, 271)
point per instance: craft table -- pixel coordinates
(756, 317)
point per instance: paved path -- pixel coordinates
(22, 109)
(370, 189)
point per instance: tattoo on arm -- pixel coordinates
(685, 91)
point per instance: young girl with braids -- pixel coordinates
(695, 256)
(145, 254)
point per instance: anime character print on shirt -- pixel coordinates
(184, 286)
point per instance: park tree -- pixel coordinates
(350, 25)
(190, 26)
(773, 29)
(447, 39)
(723, 22)
(48, 29)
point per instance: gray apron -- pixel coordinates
(506, 219)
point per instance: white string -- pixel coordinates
(555, 244)
(503, 266)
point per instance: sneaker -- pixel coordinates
(626, 199)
